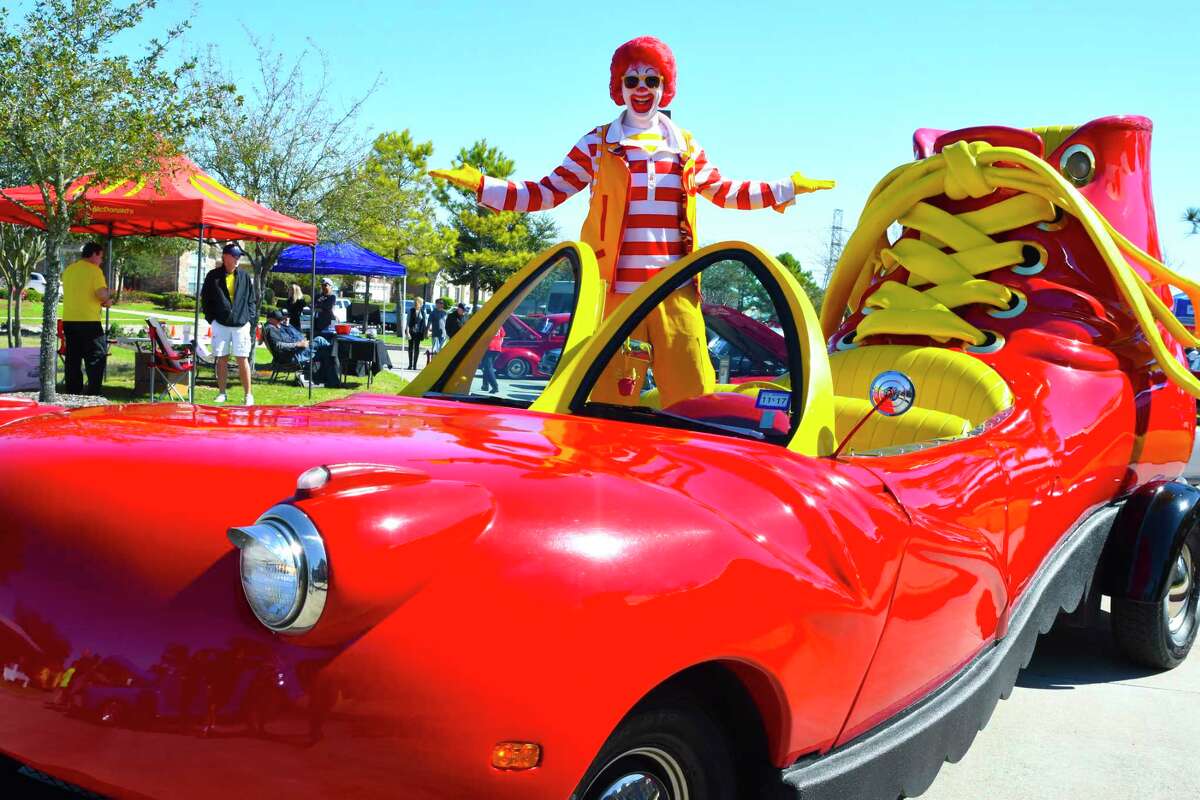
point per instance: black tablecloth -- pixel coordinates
(358, 354)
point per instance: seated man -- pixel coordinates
(288, 346)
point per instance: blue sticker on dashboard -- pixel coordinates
(774, 399)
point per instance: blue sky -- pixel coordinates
(833, 89)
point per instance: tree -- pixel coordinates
(75, 110)
(1192, 217)
(732, 284)
(392, 195)
(144, 257)
(283, 143)
(805, 278)
(490, 246)
(21, 249)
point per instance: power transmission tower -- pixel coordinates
(836, 233)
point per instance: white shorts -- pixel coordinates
(228, 341)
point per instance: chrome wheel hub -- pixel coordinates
(1177, 605)
(635, 786)
(653, 774)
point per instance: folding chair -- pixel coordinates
(284, 364)
(165, 361)
(205, 358)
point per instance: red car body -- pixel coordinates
(834, 593)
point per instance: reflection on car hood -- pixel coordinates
(183, 438)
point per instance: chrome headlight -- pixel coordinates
(285, 572)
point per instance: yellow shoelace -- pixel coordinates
(969, 170)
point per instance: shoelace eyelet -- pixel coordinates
(993, 343)
(1078, 165)
(1016, 306)
(1035, 260)
(1057, 224)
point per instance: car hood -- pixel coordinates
(161, 443)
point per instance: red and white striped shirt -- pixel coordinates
(656, 200)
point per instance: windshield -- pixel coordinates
(709, 351)
(514, 348)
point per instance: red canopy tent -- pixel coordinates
(179, 200)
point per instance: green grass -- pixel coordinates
(31, 313)
(118, 384)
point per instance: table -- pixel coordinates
(356, 350)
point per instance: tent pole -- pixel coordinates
(196, 321)
(108, 281)
(312, 319)
(402, 309)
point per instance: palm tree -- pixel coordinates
(1192, 216)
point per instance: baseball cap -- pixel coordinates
(233, 250)
(326, 282)
(275, 313)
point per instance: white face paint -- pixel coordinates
(641, 102)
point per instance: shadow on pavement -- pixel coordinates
(1068, 657)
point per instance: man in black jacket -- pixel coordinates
(456, 320)
(231, 306)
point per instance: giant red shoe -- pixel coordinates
(816, 582)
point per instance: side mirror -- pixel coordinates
(892, 393)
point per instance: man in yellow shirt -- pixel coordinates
(85, 292)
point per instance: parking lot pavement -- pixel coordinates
(1083, 723)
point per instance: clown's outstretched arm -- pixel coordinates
(751, 194)
(573, 174)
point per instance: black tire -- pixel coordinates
(1142, 630)
(675, 744)
(518, 368)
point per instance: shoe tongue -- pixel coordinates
(929, 141)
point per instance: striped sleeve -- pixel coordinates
(739, 194)
(575, 173)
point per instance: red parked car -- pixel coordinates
(815, 584)
(527, 339)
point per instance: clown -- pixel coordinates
(644, 173)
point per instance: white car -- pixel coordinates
(341, 309)
(37, 282)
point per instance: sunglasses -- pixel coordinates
(651, 81)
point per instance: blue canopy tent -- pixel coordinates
(345, 258)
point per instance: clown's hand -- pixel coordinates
(466, 177)
(804, 185)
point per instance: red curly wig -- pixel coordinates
(642, 50)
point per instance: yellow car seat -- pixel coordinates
(955, 392)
